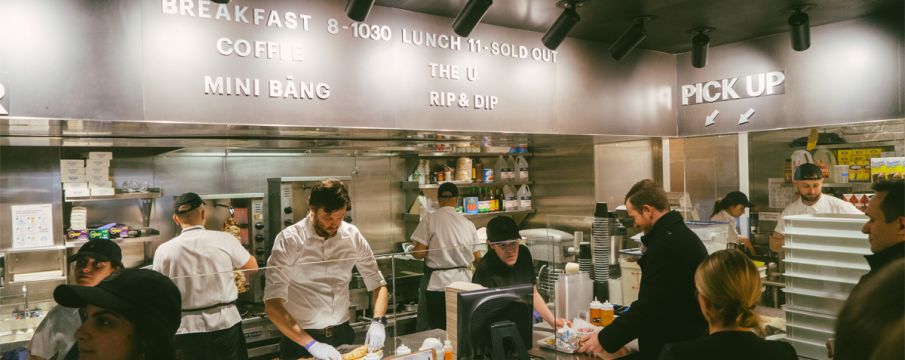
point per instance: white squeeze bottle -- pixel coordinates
(521, 169)
(448, 351)
(524, 197)
(510, 202)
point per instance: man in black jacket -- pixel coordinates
(666, 310)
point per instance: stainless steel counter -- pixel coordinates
(414, 341)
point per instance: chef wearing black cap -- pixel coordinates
(728, 209)
(201, 263)
(446, 240)
(54, 337)
(809, 185)
(132, 315)
(510, 263)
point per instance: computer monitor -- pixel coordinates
(501, 309)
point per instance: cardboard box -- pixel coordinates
(72, 163)
(98, 177)
(103, 170)
(77, 192)
(97, 163)
(895, 168)
(79, 178)
(100, 155)
(100, 184)
(103, 191)
(75, 185)
(72, 171)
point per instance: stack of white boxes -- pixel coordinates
(97, 171)
(83, 178)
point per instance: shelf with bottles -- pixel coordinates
(416, 218)
(414, 185)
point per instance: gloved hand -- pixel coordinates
(321, 351)
(376, 336)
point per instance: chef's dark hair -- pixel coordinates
(330, 195)
(647, 192)
(893, 204)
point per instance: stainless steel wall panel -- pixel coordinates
(618, 166)
(709, 169)
(563, 190)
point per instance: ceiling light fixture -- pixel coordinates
(470, 16)
(699, 45)
(358, 9)
(564, 23)
(221, 1)
(800, 27)
(630, 39)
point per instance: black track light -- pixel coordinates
(800, 28)
(699, 45)
(629, 39)
(358, 9)
(564, 23)
(221, 1)
(470, 16)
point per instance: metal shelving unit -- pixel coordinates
(417, 218)
(151, 194)
(413, 185)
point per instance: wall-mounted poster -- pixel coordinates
(32, 225)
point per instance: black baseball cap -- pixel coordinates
(150, 300)
(737, 198)
(448, 190)
(808, 171)
(502, 228)
(187, 202)
(100, 250)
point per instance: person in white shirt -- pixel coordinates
(446, 240)
(201, 262)
(809, 183)
(728, 209)
(306, 294)
(55, 336)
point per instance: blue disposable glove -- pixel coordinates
(321, 351)
(376, 336)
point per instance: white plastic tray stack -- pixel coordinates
(824, 258)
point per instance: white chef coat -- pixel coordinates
(201, 262)
(450, 239)
(56, 333)
(826, 204)
(312, 273)
(724, 216)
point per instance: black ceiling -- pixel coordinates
(605, 20)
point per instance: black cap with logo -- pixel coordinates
(808, 171)
(448, 190)
(737, 198)
(502, 228)
(100, 250)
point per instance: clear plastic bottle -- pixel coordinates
(596, 313)
(608, 314)
(524, 197)
(521, 168)
(448, 353)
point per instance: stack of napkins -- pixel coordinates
(97, 171)
(452, 290)
(75, 183)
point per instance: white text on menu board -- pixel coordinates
(290, 88)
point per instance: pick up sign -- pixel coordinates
(740, 87)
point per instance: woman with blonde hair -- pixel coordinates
(729, 286)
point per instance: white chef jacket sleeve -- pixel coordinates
(422, 234)
(367, 264)
(283, 256)
(237, 253)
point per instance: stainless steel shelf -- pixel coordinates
(416, 218)
(413, 185)
(472, 154)
(154, 194)
(132, 240)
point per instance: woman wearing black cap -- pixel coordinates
(510, 264)
(95, 261)
(728, 209)
(130, 316)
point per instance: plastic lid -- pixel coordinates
(447, 342)
(607, 305)
(596, 304)
(403, 350)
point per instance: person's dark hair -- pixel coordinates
(330, 195)
(731, 199)
(893, 204)
(647, 192)
(872, 315)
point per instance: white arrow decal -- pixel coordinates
(3, 110)
(743, 118)
(711, 118)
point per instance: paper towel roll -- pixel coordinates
(571, 268)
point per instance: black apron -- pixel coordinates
(423, 322)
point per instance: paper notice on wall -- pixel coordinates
(32, 225)
(781, 193)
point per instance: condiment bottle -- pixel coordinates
(608, 315)
(448, 351)
(596, 312)
(403, 350)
